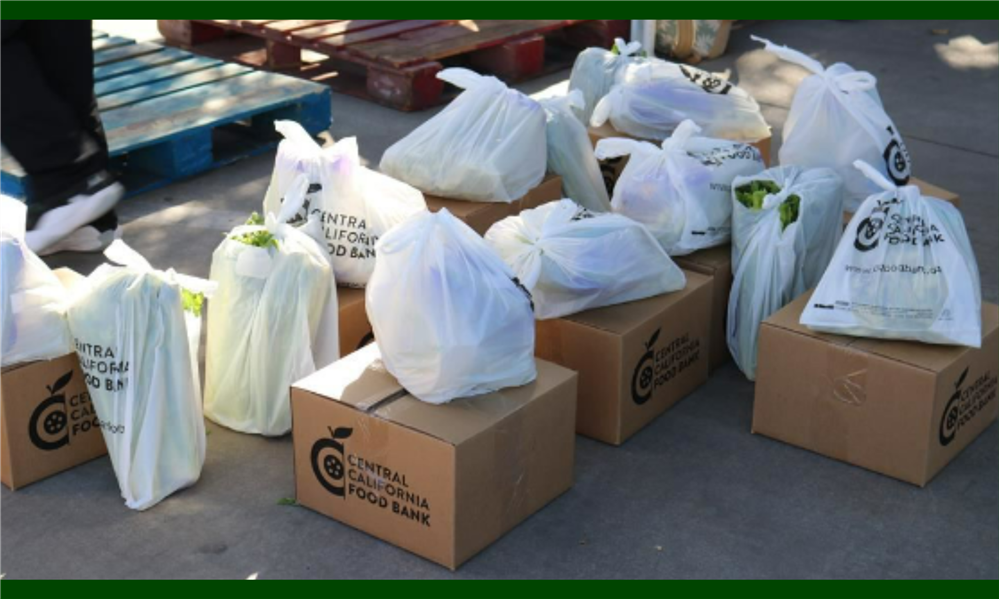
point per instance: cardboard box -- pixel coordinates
(355, 330)
(441, 481)
(611, 169)
(903, 409)
(925, 188)
(47, 419)
(482, 215)
(715, 262)
(634, 360)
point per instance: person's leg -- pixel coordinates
(61, 151)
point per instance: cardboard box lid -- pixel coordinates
(623, 318)
(463, 208)
(361, 381)
(710, 258)
(925, 356)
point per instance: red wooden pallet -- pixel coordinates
(394, 62)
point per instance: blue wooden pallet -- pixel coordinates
(170, 114)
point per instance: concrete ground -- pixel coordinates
(694, 495)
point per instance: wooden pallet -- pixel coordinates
(170, 114)
(394, 62)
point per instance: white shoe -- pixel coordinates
(81, 210)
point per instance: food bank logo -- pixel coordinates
(897, 161)
(661, 364)
(869, 229)
(328, 458)
(56, 419)
(965, 403)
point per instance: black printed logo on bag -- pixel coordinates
(530, 298)
(966, 403)
(869, 229)
(897, 161)
(895, 229)
(708, 82)
(328, 459)
(57, 418)
(660, 365)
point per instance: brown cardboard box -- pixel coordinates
(355, 330)
(482, 215)
(441, 481)
(715, 262)
(927, 189)
(47, 420)
(634, 360)
(611, 168)
(903, 409)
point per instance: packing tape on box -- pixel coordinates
(846, 377)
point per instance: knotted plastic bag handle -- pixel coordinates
(627, 48)
(620, 146)
(121, 253)
(684, 131)
(467, 78)
(847, 82)
(872, 173)
(294, 199)
(296, 134)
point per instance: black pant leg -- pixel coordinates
(38, 126)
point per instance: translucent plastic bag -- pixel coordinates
(137, 354)
(652, 98)
(32, 300)
(353, 206)
(681, 191)
(781, 245)
(487, 145)
(449, 316)
(274, 285)
(571, 259)
(836, 117)
(297, 154)
(904, 269)
(570, 153)
(595, 69)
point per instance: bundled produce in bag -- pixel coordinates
(570, 153)
(595, 70)
(487, 145)
(32, 300)
(353, 205)
(903, 270)
(681, 190)
(450, 318)
(275, 285)
(138, 357)
(836, 117)
(651, 99)
(785, 226)
(571, 259)
(297, 154)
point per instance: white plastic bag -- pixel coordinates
(449, 317)
(652, 98)
(297, 154)
(836, 117)
(595, 70)
(778, 252)
(263, 325)
(32, 300)
(904, 269)
(135, 348)
(487, 145)
(681, 191)
(570, 153)
(571, 259)
(353, 205)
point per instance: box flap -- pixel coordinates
(622, 318)
(348, 296)
(708, 260)
(358, 380)
(920, 355)
(928, 356)
(462, 419)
